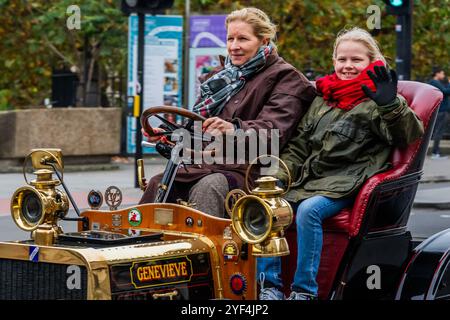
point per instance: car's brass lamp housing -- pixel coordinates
(38, 206)
(261, 218)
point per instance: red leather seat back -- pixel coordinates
(424, 99)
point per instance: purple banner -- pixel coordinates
(208, 31)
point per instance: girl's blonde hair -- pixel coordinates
(363, 37)
(263, 28)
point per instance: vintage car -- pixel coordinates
(172, 251)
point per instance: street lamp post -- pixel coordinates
(403, 29)
(187, 7)
(139, 95)
(141, 7)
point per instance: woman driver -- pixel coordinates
(255, 89)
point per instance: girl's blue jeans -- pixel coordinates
(310, 214)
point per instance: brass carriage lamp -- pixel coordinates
(261, 217)
(38, 206)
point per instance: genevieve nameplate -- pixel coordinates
(162, 271)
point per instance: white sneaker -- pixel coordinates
(436, 156)
(301, 296)
(270, 293)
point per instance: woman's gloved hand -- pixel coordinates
(385, 84)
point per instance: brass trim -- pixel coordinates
(237, 220)
(215, 263)
(268, 156)
(141, 174)
(235, 195)
(46, 234)
(97, 268)
(38, 156)
(16, 208)
(169, 294)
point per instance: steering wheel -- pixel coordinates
(153, 111)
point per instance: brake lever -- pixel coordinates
(148, 144)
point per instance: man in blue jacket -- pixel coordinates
(444, 108)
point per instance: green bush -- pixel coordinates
(5, 96)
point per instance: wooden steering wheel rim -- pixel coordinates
(166, 109)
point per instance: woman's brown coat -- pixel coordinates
(275, 98)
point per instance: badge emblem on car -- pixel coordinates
(113, 197)
(189, 221)
(238, 283)
(95, 199)
(134, 217)
(227, 233)
(230, 251)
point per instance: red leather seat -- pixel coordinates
(338, 230)
(340, 222)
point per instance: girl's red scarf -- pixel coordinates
(346, 94)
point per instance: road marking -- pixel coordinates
(445, 215)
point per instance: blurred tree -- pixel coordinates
(307, 29)
(47, 41)
(431, 37)
(35, 38)
(23, 65)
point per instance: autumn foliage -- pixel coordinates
(35, 38)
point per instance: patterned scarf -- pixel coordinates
(217, 90)
(346, 94)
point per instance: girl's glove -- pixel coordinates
(385, 84)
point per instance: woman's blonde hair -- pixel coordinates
(363, 37)
(263, 28)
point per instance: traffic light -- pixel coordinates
(398, 7)
(145, 6)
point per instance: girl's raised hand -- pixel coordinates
(385, 84)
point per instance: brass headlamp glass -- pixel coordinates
(27, 208)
